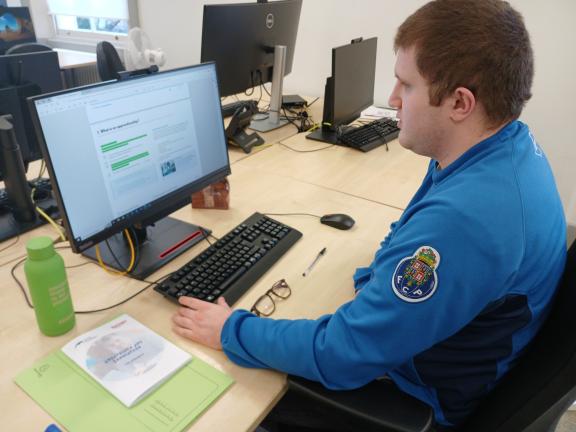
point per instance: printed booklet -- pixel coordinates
(126, 358)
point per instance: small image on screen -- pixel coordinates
(15, 27)
(168, 168)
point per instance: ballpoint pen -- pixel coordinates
(309, 269)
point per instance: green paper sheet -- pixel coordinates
(80, 404)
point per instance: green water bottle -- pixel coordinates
(48, 287)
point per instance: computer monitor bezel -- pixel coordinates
(341, 55)
(229, 41)
(156, 209)
(22, 13)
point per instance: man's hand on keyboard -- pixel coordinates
(201, 321)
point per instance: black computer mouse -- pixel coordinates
(338, 220)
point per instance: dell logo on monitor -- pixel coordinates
(270, 20)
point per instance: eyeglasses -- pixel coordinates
(265, 305)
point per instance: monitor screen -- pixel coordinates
(241, 38)
(22, 76)
(353, 72)
(15, 27)
(131, 152)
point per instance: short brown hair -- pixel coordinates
(482, 45)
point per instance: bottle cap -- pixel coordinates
(40, 248)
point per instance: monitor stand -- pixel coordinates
(157, 245)
(326, 135)
(274, 120)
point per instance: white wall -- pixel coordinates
(327, 23)
(551, 113)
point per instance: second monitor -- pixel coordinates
(252, 44)
(350, 89)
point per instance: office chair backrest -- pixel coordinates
(539, 389)
(27, 48)
(108, 61)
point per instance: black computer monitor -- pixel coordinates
(242, 39)
(350, 89)
(15, 27)
(126, 154)
(23, 76)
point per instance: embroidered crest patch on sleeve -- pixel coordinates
(415, 277)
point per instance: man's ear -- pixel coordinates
(463, 103)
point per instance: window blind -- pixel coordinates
(116, 9)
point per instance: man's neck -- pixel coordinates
(463, 140)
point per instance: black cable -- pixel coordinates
(120, 266)
(290, 120)
(205, 236)
(14, 267)
(302, 116)
(136, 249)
(291, 214)
(79, 265)
(137, 255)
(12, 260)
(262, 83)
(306, 151)
(313, 101)
(266, 90)
(251, 85)
(150, 283)
(24, 256)
(260, 98)
(11, 244)
(75, 265)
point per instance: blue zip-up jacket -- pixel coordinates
(460, 285)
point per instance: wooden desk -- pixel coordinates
(255, 391)
(271, 137)
(388, 177)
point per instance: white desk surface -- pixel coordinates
(69, 59)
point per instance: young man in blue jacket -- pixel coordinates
(465, 278)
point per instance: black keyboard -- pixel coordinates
(371, 135)
(229, 109)
(234, 263)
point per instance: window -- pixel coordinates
(102, 20)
